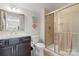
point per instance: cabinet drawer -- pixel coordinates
(4, 43)
(1, 42)
(25, 39)
(13, 41)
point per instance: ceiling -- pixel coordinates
(49, 7)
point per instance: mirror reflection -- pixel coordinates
(11, 21)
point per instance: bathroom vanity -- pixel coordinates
(13, 39)
(15, 45)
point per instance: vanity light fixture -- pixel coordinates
(13, 9)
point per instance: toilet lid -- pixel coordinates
(40, 45)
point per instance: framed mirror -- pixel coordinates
(11, 21)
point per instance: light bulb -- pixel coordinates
(18, 10)
(9, 8)
(13, 9)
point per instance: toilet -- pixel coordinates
(34, 40)
(39, 49)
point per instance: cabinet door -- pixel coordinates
(23, 49)
(6, 51)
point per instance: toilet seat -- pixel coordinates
(40, 45)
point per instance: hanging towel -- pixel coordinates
(68, 40)
(64, 40)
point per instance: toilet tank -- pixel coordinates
(35, 38)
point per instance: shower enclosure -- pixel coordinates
(66, 31)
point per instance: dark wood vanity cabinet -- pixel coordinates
(16, 47)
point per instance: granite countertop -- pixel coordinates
(7, 35)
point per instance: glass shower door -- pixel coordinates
(66, 34)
